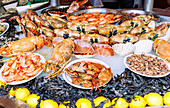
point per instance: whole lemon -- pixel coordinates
(83, 103)
(119, 103)
(63, 106)
(100, 99)
(1, 83)
(32, 100)
(12, 92)
(22, 94)
(48, 103)
(166, 98)
(154, 99)
(138, 101)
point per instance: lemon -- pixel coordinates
(12, 92)
(48, 104)
(32, 100)
(83, 103)
(154, 99)
(100, 99)
(1, 83)
(22, 94)
(138, 101)
(63, 106)
(120, 103)
(166, 98)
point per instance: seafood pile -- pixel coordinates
(89, 74)
(22, 67)
(95, 18)
(146, 64)
(100, 36)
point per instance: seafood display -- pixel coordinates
(89, 74)
(95, 18)
(22, 67)
(100, 33)
(147, 64)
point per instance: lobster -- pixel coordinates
(60, 57)
(26, 44)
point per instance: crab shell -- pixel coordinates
(162, 49)
(95, 38)
(162, 28)
(123, 38)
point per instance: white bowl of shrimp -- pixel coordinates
(22, 68)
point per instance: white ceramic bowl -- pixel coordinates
(7, 27)
(156, 76)
(84, 56)
(23, 81)
(68, 79)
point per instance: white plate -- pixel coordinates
(156, 76)
(84, 56)
(23, 81)
(68, 79)
(7, 27)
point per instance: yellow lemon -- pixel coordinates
(83, 103)
(138, 101)
(100, 99)
(32, 100)
(48, 104)
(22, 94)
(12, 92)
(154, 99)
(166, 98)
(1, 83)
(120, 103)
(63, 106)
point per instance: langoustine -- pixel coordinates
(60, 57)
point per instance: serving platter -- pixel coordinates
(156, 76)
(23, 81)
(142, 13)
(7, 27)
(56, 9)
(68, 79)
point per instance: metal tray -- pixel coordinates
(56, 8)
(101, 10)
(142, 13)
